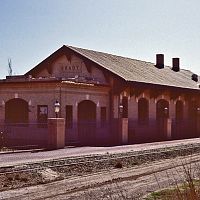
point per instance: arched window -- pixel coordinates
(143, 111)
(16, 111)
(162, 110)
(179, 111)
(87, 111)
(193, 118)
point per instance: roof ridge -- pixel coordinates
(109, 54)
(148, 62)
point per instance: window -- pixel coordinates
(69, 116)
(143, 111)
(162, 110)
(42, 115)
(103, 116)
(16, 111)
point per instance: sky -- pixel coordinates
(31, 30)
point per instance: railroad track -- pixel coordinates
(94, 182)
(105, 161)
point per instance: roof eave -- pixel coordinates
(159, 85)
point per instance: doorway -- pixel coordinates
(87, 122)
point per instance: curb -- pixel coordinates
(21, 151)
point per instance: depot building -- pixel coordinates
(105, 99)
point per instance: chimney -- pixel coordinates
(175, 64)
(195, 77)
(160, 61)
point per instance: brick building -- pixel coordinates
(96, 91)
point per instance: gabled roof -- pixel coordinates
(137, 71)
(140, 71)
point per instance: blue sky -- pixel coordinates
(30, 30)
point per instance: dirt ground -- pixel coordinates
(122, 183)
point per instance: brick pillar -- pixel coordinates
(198, 124)
(133, 109)
(32, 114)
(123, 130)
(115, 106)
(152, 110)
(2, 114)
(168, 128)
(186, 111)
(172, 110)
(98, 116)
(74, 135)
(56, 133)
(172, 116)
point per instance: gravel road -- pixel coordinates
(31, 157)
(124, 183)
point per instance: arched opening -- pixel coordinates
(143, 111)
(193, 119)
(16, 111)
(162, 109)
(162, 112)
(86, 121)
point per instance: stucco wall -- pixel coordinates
(46, 94)
(150, 130)
(68, 93)
(74, 68)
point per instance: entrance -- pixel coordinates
(87, 122)
(193, 119)
(162, 113)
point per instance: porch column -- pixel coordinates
(32, 113)
(168, 128)
(152, 110)
(98, 115)
(115, 106)
(123, 119)
(74, 135)
(171, 119)
(2, 114)
(123, 130)
(172, 109)
(198, 121)
(56, 133)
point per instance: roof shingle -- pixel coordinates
(139, 71)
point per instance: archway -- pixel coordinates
(16, 111)
(162, 112)
(193, 119)
(86, 122)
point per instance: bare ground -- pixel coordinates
(125, 183)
